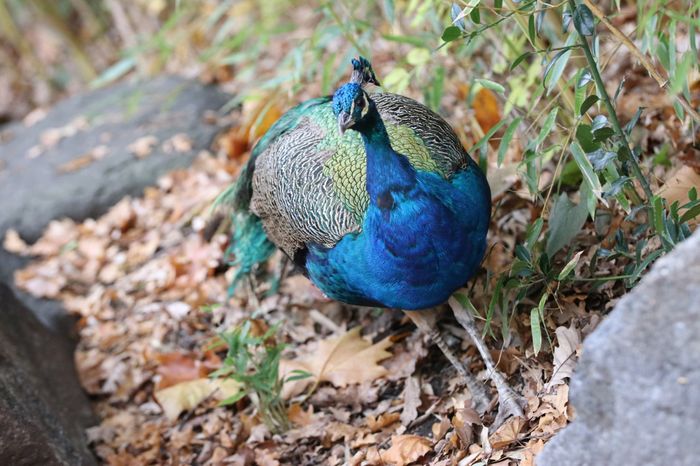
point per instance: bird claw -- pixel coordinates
(510, 404)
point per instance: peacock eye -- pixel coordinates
(360, 102)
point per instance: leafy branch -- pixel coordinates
(583, 22)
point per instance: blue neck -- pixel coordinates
(387, 170)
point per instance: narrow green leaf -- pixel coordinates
(603, 134)
(584, 78)
(584, 136)
(556, 66)
(531, 32)
(115, 72)
(690, 214)
(482, 142)
(451, 33)
(565, 222)
(569, 267)
(494, 86)
(519, 60)
(658, 214)
(546, 128)
(536, 330)
(588, 103)
(586, 168)
(232, 399)
(507, 137)
(534, 230)
(467, 10)
(583, 20)
(475, 16)
(633, 122)
(389, 10)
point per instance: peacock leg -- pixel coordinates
(510, 403)
(425, 321)
(279, 275)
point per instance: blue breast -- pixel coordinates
(417, 245)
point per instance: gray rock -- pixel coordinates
(38, 182)
(35, 190)
(76, 163)
(43, 410)
(636, 391)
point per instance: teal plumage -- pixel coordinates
(305, 186)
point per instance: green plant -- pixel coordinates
(253, 361)
(588, 145)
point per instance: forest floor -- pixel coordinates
(149, 282)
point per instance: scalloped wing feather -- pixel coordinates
(309, 183)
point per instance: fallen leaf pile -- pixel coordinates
(142, 279)
(148, 281)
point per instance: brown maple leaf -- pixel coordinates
(343, 360)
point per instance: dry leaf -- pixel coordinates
(507, 433)
(440, 429)
(405, 449)
(300, 417)
(143, 146)
(568, 342)
(259, 116)
(486, 109)
(347, 359)
(677, 186)
(383, 420)
(58, 234)
(178, 143)
(411, 400)
(187, 395)
(14, 243)
(462, 422)
(76, 164)
(176, 367)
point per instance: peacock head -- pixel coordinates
(351, 104)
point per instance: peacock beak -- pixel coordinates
(345, 121)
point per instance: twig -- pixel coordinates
(653, 72)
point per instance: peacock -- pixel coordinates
(372, 195)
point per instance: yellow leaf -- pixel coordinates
(486, 109)
(187, 395)
(344, 360)
(405, 449)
